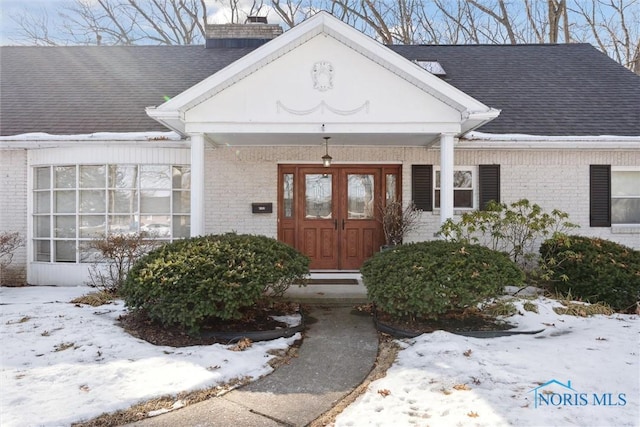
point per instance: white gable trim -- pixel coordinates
(472, 112)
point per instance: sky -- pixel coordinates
(61, 362)
(9, 8)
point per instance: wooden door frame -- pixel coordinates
(288, 228)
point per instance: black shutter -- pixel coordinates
(422, 186)
(600, 195)
(489, 184)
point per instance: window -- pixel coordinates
(75, 203)
(625, 196)
(425, 186)
(614, 196)
(463, 189)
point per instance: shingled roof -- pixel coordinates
(564, 89)
(541, 89)
(87, 89)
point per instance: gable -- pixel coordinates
(372, 90)
(348, 88)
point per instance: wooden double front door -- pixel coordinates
(332, 214)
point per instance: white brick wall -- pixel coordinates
(13, 209)
(237, 176)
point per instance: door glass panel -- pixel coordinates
(391, 188)
(360, 196)
(318, 195)
(287, 198)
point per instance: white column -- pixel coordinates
(446, 177)
(197, 185)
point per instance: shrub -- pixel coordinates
(187, 282)
(515, 229)
(594, 270)
(115, 255)
(9, 243)
(422, 280)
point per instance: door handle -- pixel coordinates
(343, 223)
(335, 224)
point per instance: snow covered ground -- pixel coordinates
(591, 365)
(62, 363)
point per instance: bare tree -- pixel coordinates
(389, 22)
(35, 28)
(500, 14)
(289, 11)
(610, 25)
(121, 22)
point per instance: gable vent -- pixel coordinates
(434, 67)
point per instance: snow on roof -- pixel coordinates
(98, 136)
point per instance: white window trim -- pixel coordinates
(474, 188)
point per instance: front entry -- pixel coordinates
(332, 214)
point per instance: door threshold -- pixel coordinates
(334, 275)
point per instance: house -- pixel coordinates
(191, 140)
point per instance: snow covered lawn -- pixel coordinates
(63, 363)
(442, 379)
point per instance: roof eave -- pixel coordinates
(170, 119)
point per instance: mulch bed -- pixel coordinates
(257, 318)
(469, 320)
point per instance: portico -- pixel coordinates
(321, 79)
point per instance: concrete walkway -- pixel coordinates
(338, 352)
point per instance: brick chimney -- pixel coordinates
(253, 33)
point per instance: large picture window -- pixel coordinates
(625, 196)
(75, 203)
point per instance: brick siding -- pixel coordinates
(13, 210)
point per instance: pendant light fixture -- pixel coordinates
(326, 159)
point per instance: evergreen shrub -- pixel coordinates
(594, 270)
(189, 281)
(423, 280)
